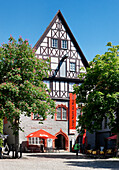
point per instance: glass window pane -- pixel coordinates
(59, 113)
(29, 140)
(71, 87)
(64, 114)
(32, 140)
(55, 43)
(72, 67)
(36, 140)
(64, 44)
(39, 140)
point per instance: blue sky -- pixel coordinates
(93, 22)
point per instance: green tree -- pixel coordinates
(99, 93)
(22, 90)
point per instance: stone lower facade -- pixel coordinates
(52, 126)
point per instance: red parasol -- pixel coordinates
(112, 137)
(41, 134)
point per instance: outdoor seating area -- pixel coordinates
(51, 150)
(37, 149)
(100, 153)
(32, 149)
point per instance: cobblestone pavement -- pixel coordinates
(58, 161)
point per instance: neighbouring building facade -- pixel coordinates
(58, 43)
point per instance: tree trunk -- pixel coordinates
(16, 138)
(1, 131)
(16, 145)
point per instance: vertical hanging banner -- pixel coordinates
(72, 113)
(84, 137)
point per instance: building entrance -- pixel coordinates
(60, 142)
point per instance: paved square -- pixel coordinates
(57, 161)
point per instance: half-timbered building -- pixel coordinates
(67, 58)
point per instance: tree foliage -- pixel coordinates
(99, 93)
(22, 90)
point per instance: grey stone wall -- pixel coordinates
(50, 125)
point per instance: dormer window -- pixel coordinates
(64, 44)
(54, 43)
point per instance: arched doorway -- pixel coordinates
(62, 141)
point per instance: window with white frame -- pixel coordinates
(54, 43)
(34, 141)
(71, 86)
(62, 112)
(72, 66)
(29, 141)
(64, 44)
(59, 113)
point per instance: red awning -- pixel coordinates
(41, 134)
(112, 137)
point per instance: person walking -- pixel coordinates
(76, 148)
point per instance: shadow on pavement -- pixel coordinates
(61, 156)
(103, 164)
(56, 156)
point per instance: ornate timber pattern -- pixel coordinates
(58, 30)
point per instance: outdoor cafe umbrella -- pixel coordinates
(114, 137)
(41, 134)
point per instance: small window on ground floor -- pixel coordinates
(34, 141)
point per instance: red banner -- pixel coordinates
(72, 113)
(84, 137)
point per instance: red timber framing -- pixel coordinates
(72, 113)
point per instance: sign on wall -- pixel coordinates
(72, 113)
